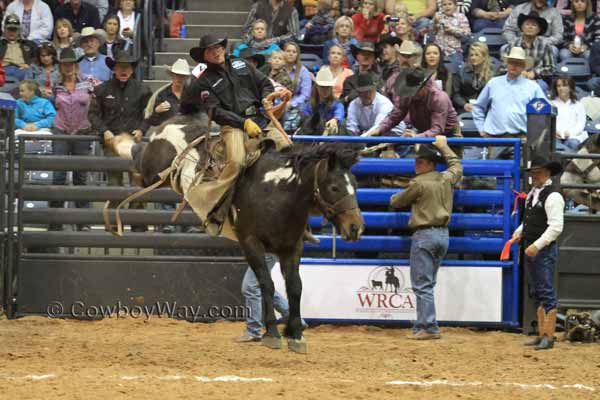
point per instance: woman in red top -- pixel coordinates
(368, 23)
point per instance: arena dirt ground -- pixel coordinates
(165, 359)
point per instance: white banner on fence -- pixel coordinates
(369, 292)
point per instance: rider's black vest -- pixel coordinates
(535, 221)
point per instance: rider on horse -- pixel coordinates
(234, 91)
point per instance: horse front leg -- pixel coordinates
(290, 266)
(255, 255)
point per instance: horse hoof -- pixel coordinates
(272, 342)
(298, 346)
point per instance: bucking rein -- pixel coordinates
(273, 112)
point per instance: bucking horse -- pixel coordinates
(272, 199)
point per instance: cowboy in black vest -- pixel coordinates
(542, 225)
(281, 18)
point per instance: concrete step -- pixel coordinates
(219, 5)
(161, 72)
(230, 31)
(215, 17)
(170, 58)
(184, 45)
(155, 85)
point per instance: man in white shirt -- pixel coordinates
(541, 227)
(366, 112)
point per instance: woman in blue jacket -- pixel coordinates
(323, 114)
(33, 113)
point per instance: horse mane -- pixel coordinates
(300, 154)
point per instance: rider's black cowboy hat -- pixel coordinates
(410, 80)
(533, 16)
(540, 161)
(389, 38)
(251, 54)
(121, 57)
(430, 152)
(206, 41)
(362, 46)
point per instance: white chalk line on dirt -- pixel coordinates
(224, 378)
(476, 383)
(32, 377)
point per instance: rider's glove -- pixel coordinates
(251, 128)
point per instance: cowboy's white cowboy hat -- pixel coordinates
(407, 48)
(180, 67)
(517, 53)
(325, 78)
(89, 31)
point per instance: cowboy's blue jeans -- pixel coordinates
(253, 298)
(540, 270)
(427, 250)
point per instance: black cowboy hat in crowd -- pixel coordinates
(206, 41)
(251, 54)
(389, 38)
(366, 82)
(121, 57)
(67, 55)
(430, 152)
(539, 161)
(362, 46)
(410, 80)
(534, 16)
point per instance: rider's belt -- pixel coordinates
(420, 228)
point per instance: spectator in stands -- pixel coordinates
(114, 42)
(299, 74)
(278, 72)
(118, 106)
(258, 40)
(72, 98)
(344, 26)
(127, 20)
(420, 103)
(368, 23)
(45, 71)
(553, 35)
(3, 78)
(36, 19)
(323, 114)
(391, 20)
(388, 56)
(540, 51)
(101, 5)
(420, 13)
(489, 14)
(432, 60)
(320, 27)
(309, 10)
(581, 30)
(63, 37)
(81, 14)
(281, 17)
(369, 109)
(469, 81)
(594, 83)
(164, 103)
(450, 28)
(339, 73)
(364, 53)
(407, 57)
(570, 117)
(500, 109)
(403, 30)
(93, 64)
(33, 113)
(16, 54)
(430, 195)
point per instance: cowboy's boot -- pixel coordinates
(541, 317)
(547, 341)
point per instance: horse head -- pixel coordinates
(335, 190)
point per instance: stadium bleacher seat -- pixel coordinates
(311, 61)
(316, 49)
(578, 68)
(492, 37)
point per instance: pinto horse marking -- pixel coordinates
(280, 174)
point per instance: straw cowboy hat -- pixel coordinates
(88, 31)
(411, 80)
(180, 67)
(120, 57)
(517, 53)
(206, 41)
(540, 161)
(533, 16)
(325, 78)
(407, 48)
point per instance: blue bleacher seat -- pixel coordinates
(316, 49)
(492, 37)
(578, 68)
(311, 61)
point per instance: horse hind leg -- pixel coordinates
(255, 255)
(293, 285)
